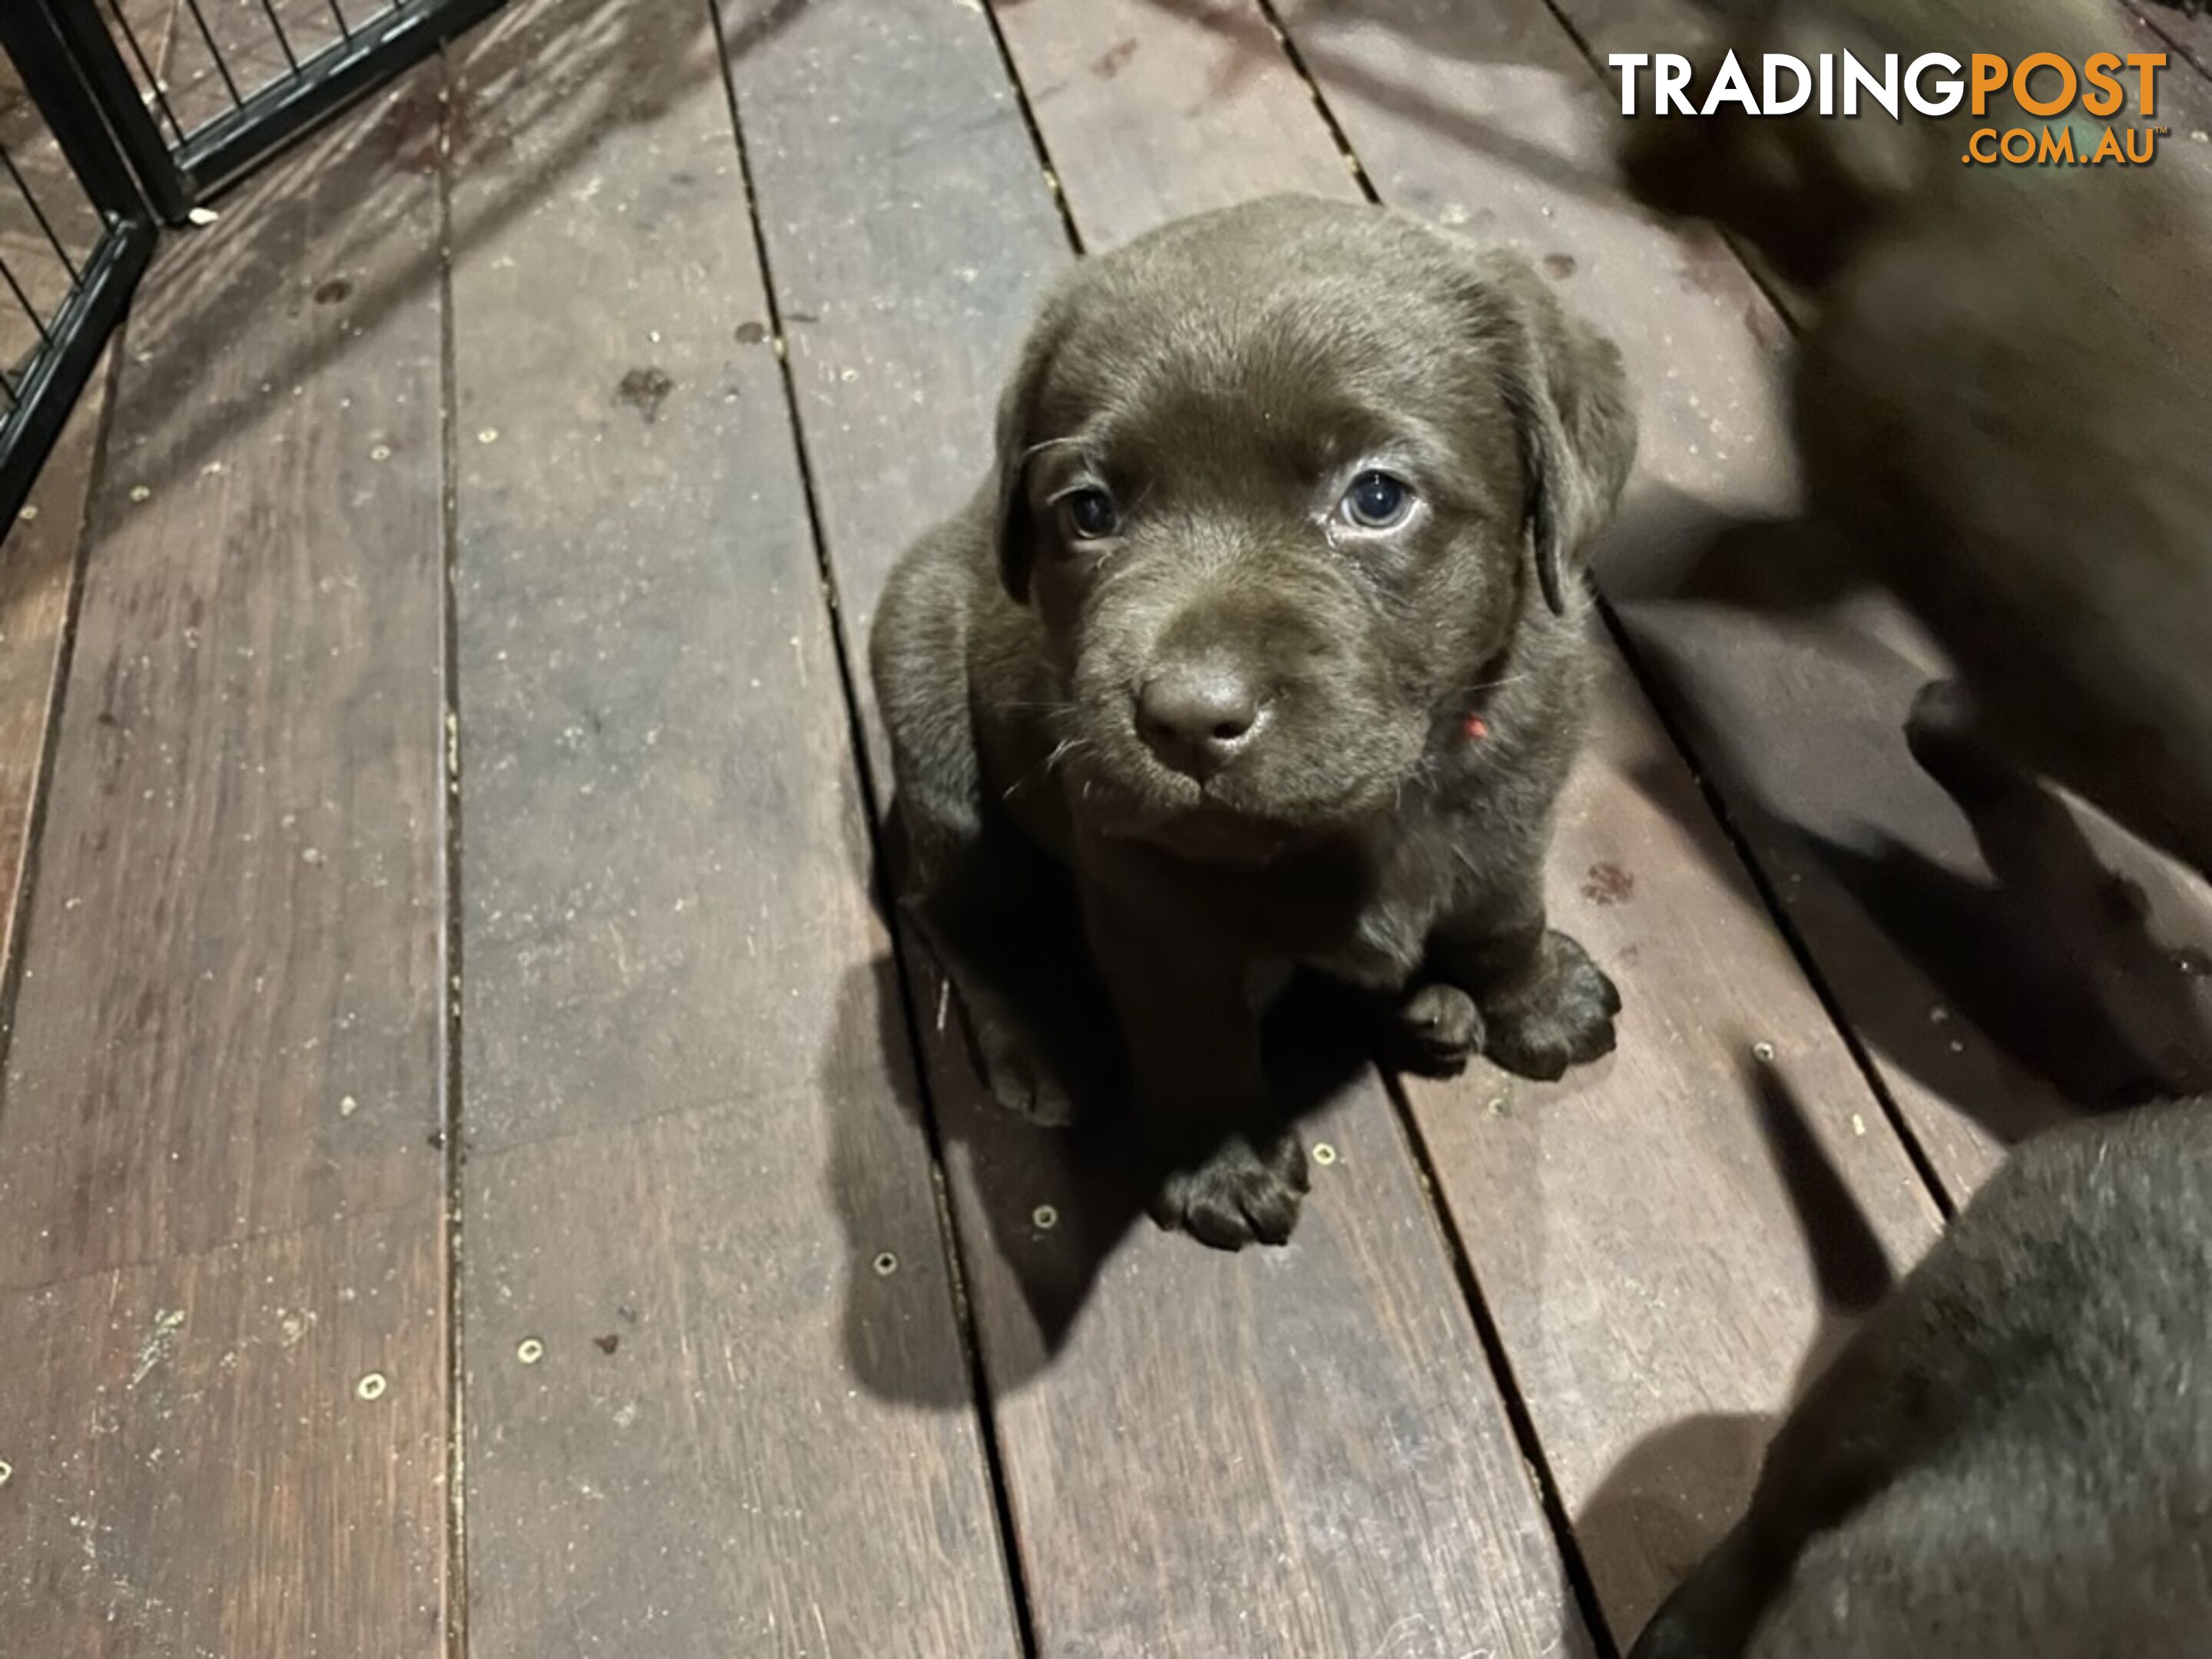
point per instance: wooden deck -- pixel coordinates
(477, 1176)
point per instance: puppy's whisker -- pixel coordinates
(1060, 751)
(1493, 685)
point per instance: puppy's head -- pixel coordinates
(1285, 482)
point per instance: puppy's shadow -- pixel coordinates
(1672, 1495)
(1037, 1211)
(2054, 959)
(2020, 933)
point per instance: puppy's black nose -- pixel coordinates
(1198, 717)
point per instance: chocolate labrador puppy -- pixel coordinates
(2002, 395)
(2014, 1456)
(1267, 627)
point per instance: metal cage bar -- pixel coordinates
(43, 389)
(142, 159)
(258, 122)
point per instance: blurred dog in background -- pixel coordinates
(2002, 400)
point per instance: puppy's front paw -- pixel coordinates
(1239, 1196)
(1561, 1015)
(1433, 1032)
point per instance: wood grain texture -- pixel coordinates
(38, 561)
(1299, 1451)
(910, 239)
(2190, 37)
(1134, 94)
(196, 1468)
(1600, 1212)
(230, 1021)
(218, 1210)
(1667, 1240)
(684, 1156)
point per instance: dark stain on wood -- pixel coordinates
(1609, 884)
(1111, 62)
(645, 390)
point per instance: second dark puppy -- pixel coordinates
(2012, 1458)
(2002, 396)
(1267, 627)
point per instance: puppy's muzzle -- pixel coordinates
(1199, 717)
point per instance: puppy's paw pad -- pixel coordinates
(1563, 1015)
(1941, 708)
(1943, 735)
(1238, 1197)
(1435, 1031)
(1021, 1083)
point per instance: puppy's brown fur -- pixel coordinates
(2003, 399)
(1223, 381)
(2013, 1456)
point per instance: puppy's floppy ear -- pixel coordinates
(1012, 530)
(1569, 394)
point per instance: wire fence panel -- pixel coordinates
(75, 235)
(116, 115)
(239, 79)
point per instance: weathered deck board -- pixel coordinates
(1277, 1452)
(39, 561)
(40, 552)
(195, 1469)
(1656, 1158)
(2190, 37)
(685, 1151)
(1134, 97)
(218, 1210)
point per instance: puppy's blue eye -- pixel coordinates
(1089, 513)
(1376, 501)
